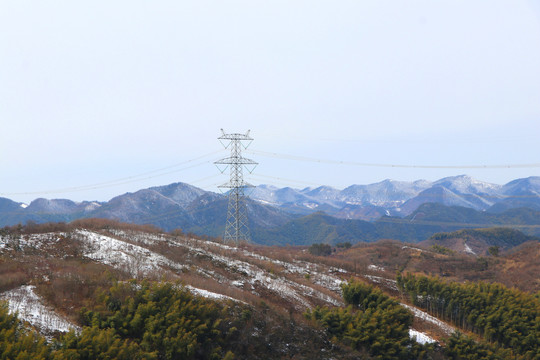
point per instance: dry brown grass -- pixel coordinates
(14, 274)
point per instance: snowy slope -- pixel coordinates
(31, 308)
(218, 271)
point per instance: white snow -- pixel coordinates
(469, 250)
(139, 261)
(238, 283)
(412, 248)
(24, 206)
(36, 241)
(420, 337)
(210, 294)
(288, 289)
(392, 284)
(431, 319)
(30, 308)
(375, 267)
(128, 257)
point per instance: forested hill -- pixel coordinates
(427, 220)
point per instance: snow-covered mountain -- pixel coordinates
(184, 206)
(401, 198)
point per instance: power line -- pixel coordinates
(405, 166)
(122, 181)
(284, 180)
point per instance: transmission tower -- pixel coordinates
(236, 227)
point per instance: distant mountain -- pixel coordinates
(147, 206)
(409, 211)
(43, 210)
(401, 198)
(349, 203)
(519, 193)
(186, 207)
(7, 206)
(182, 194)
(388, 193)
(169, 207)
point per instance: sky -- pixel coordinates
(102, 98)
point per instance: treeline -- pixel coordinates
(507, 318)
(134, 321)
(32, 227)
(373, 322)
(154, 321)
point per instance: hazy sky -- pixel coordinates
(105, 93)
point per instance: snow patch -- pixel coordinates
(210, 294)
(469, 250)
(128, 257)
(420, 337)
(431, 319)
(287, 289)
(30, 308)
(412, 248)
(391, 284)
(375, 267)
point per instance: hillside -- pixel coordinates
(54, 275)
(479, 241)
(59, 270)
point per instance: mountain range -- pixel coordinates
(401, 198)
(388, 209)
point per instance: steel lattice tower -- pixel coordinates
(236, 227)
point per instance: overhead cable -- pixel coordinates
(406, 166)
(121, 181)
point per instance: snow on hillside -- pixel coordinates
(257, 277)
(35, 241)
(420, 337)
(375, 268)
(30, 308)
(138, 261)
(431, 319)
(299, 283)
(389, 283)
(299, 267)
(209, 294)
(468, 249)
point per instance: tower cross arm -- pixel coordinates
(231, 185)
(236, 160)
(236, 137)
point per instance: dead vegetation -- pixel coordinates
(281, 281)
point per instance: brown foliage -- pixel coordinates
(13, 274)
